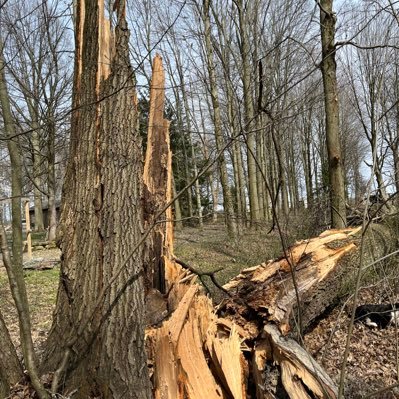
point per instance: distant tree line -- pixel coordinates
(244, 86)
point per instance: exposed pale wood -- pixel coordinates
(229, 361)
(198, 378)
(157, 178)
(261, 354)
(105, 43)
(165, 376)
(195, 332)
(80, 13)
(179, 345)
(292, 384)
(261, 311)
(298, 367)
(269, 288)
(176, 322)
(228, 325)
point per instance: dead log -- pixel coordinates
(41, 264)
(323, 268)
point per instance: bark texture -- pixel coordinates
(36, 168)
(96, 343)
(12, 373)
(329, 72)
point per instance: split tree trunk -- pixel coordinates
(96, 343)
(157, 179)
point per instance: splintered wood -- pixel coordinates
(269, 288)
(300, 373)
(191, 361)
(199, 354)
(242, 349)
(157, 178)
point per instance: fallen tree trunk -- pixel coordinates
(245, 347)
(323, 269)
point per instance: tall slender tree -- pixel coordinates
(227, 200)
(329, 72)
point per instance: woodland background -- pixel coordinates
(283, 123)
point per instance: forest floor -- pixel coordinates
(374, 356)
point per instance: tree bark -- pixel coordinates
(51, 183)
(329, 72)
(37, 181)
(96, 343)
(11, 370)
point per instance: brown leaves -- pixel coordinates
(372, 358)
(24, 389)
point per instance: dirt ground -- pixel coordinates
(374, 356)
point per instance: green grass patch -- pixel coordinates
(41, 287)
(39, 236)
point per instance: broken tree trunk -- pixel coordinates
(96, 344)
(157, 178)
(323, 268)
(246, 346)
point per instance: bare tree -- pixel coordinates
(328, 68)
(227, 201)
(14, 265)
